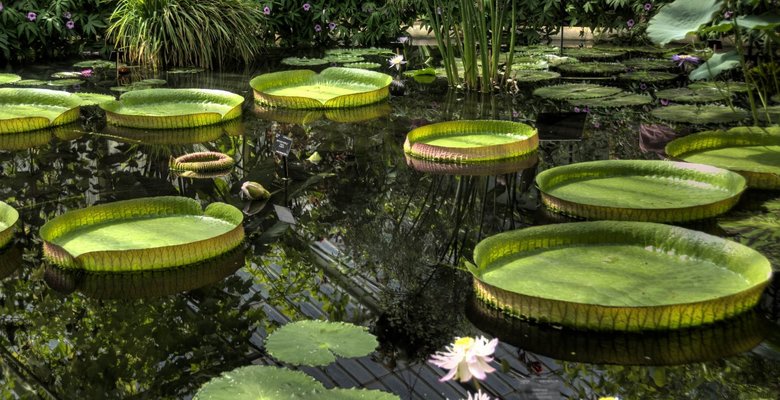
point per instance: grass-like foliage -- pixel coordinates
(205, 33)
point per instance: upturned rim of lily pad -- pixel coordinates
(490, 168)
(153, 257)
(671, 241)
(519, 139)
(203, 162)
(62, 107)
(374, 87)
(145, 109)
(9, 217)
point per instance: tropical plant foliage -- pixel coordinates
(319, 342)
(204, 33)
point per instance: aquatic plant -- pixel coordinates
(465, 358)
(8, 219)
(313, 342)
(202, 161)
(692, 114)
(205, 33)
(30, 109)
(254, 191)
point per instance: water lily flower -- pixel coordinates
(728, 14)
(66, 15)
(467, 357)
(86, 72)
(331, 26)
(683, 59)
(648, 6)
(70, 24)
(317, 28)
(576, 109)
(306, 6)
(267, 10)
(396, 61)
(32, 16)
(630, 23)
(480, 395)
(254, 191)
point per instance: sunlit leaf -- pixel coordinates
(314, 342)
(679, 18)
(716, 64)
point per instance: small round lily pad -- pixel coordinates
(700, 114)
(686, 95)
(29, 82)
(153, 82)
(65, 82)
(591, 69)
(532, 76)
(304, 61)
(344, 58)
(771, 113)
(618, 100)
(648, 76)
(586, 54)
(650, 64)
(572, 91)
(319, 342)
(66, 75)
(95, 64)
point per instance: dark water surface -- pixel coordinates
(376, 243)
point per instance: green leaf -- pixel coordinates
(9, 78)
(715, 65)
(23, 110)
(260, 382)
(8, 219)
(675, 20)
(768, 22)
(319, 342)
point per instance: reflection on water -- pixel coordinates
(397, 237)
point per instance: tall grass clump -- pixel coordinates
(204, 33)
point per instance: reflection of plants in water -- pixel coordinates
(759, 230)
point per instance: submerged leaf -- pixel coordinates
(319, 342)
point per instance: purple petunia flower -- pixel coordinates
(70, 24)
(306, 6)
(331, 26)
(648, 6)
(317, 28)
(66, 15)
(630, 23)
(32, 16)
(267, 10)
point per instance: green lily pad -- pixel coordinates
(8, 219)
(716, 64)
(625, 276)
(587, 54)
(9, 78)
(618, 100)
(370, 51)
(686, 95)
(30, 82)
(769, 114)
(23, 110)
(93, 99)
(640, 190)
(650, 64)
(153, 82)
(363, 65)
(529, 63)
(66, 75)
(727, 86)
(467, 141)
(574, 91)
(675, 20)
(334, 87)
(141, 234)
(188, 70)
(173, 108)
(591, 69)
(304, 61)
(648, 76)
(96, 64)
(700, 114)
(490, 168)
(754, 152)
(532, 76)
(420, 72)
(203, 161)
(65, 82)
(315, 343)
(344, 58)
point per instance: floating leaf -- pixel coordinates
(650, 63)
(65, 82)
(66, 74)
(591, 69)
(9, 78)
(648, 76)
(715, 65)
(93, 99)
(532, 76)
(686, 95)
(700, 114)
(313, 342)
(96, 64)
(344, 58)
(594, 53)
(23, 110)
(153, 82)
(363, 65)
(618, 100)
(675, 20)
(30, 82)
(8, 219)
(190, 70)
(203, 161)
(769, 114)
(727, 86)
(304, 61)
(573, 91)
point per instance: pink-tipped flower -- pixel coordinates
(70, 24)
(306, 6)
(267, 10)
(31, 16)
(467, 357)
(480, 395)
(86, 73)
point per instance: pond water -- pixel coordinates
(375, 243)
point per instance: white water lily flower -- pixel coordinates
(396, 61)
(467, 357)
(480, 395)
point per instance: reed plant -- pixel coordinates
(203, 33)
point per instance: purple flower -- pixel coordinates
(728, 14)
(642, 86)
(586, 110)
(66, 15)
(664, 102)
(86, 73)
(648, 6)
(317, 28)
(683, 59)
(32, 16)
(306, 6)
(596, 124)
(331, 26)
(70, 24)
(1, 6)
(630, 23)
(576, 109)
(267, 10)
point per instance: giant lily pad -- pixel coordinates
(319, 342)
(726, 86)
(700, 114)
(471, 141)
(141, 234)
(754, 152)
(304, 61)
(640, 190)
(533, 76)
(9, 78)
(200, 134)
(685, 95)
(491, 168)
(203, 161)
(256, 382)
(618, 100)
(650, 64)
(23, 110)
(593, 53)
(675, 20)
(626, 276)
(334, 87)
(573, 91)
(591, 69)
(173, 108)
(648, 76)
(8, 219)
